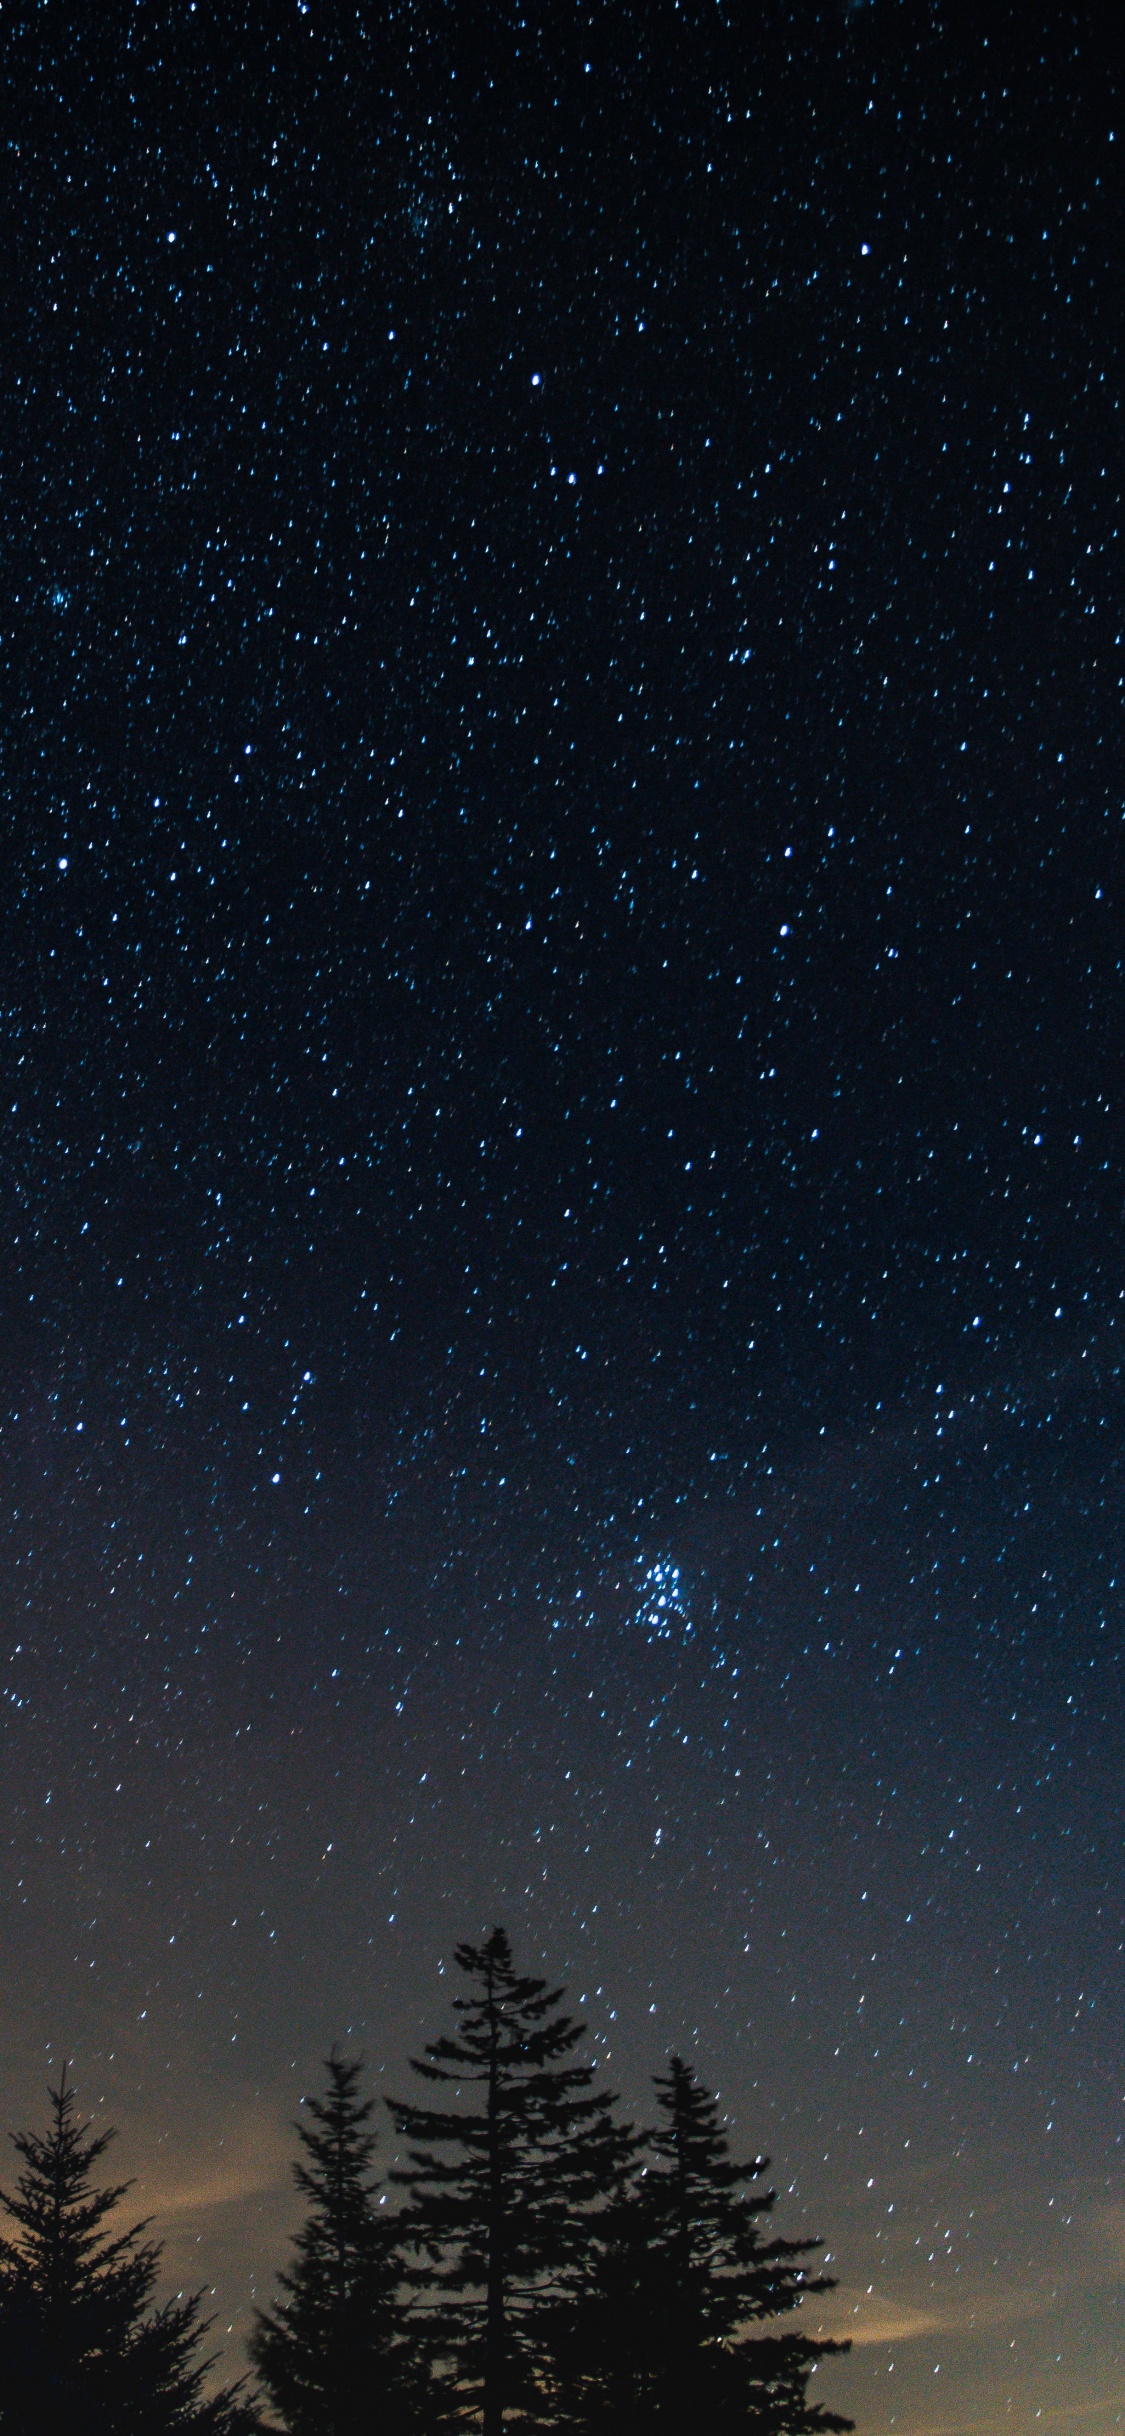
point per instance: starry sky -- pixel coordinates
(563, 1286)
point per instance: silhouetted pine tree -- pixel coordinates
(605, 2334)
(82, 2350)
(715, 2275)
(332, 2354)
(499, 2189)
(660, 2338)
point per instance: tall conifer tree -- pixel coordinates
(719, 2276)
(606, 2334)
(83, 2352)
(332, 2354)
(663, 2338)
(498, 2188)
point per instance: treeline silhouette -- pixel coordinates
(547, 2266)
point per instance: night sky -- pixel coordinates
(563, 1086)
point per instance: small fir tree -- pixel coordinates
(332, 2353)
(83, 2352)
(499, 2189)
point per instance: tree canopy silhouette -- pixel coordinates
(548, 2270)
(333, 2353)
(681, 2274)
(497, 2188)
(83, 2351)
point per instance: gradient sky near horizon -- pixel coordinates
(563, 1092)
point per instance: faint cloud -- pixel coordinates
(252, 2161)
(863, 2318)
